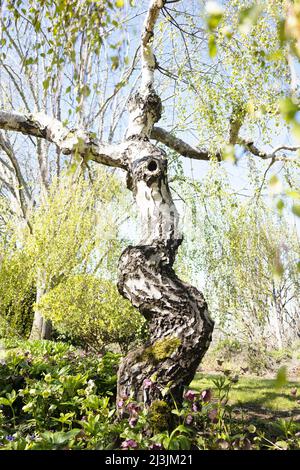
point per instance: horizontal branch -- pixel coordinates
(187, 150)
(251, 147)
(181, 147)
(75, 141)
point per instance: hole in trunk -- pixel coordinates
(152, 166)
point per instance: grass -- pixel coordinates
(255, 392)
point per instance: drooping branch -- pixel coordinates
(18, 186)
(68, 141)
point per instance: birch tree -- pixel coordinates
(54, 59)
(180, 327)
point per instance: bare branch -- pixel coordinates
(178, 145)
(68, 141)
(251, 147)
(187, 150)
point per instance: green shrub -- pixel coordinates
(18, 314)
(92, 312)
(17, 294)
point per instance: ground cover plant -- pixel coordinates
(53, 396)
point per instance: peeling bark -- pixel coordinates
(180, 328)
(74, 141)
(179, 324)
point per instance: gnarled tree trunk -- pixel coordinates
(179, 324)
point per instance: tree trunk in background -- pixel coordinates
(41, 328)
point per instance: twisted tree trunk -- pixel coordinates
(179, 324)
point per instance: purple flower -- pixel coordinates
(189, 419)
(133, 408)
(190, 395)
(156, 446)
(129, 444)
(120, 403)
(147, 384)
(132, 421)
(10, 438)
(206, 395)
(196, 407)
(213, 415)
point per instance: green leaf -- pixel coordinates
(281, 377)
(288, 109)
(293, 193)
(212, 46)
(280, 205)
(46, 83)
(282, 444)
(296, 209)
(115, 61)
(275, 185)
(4, 401)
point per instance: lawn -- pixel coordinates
(257, 393)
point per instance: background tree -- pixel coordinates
(56, 58)
(248, 263)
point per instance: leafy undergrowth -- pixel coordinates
(55, 397)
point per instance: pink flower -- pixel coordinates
(189, 419)
(132, 421)
(156, 446)
(206, 395)
(213, 415)
(120, 403)
(129, 444)
(190, 395)
(133, 408)
(147, 384)
(196, 407)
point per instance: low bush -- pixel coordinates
(92, 313)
